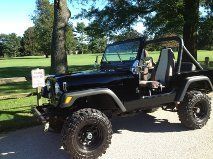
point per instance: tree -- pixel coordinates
(118, 15)
(71, 42)
(205, 32)
(190, 28)
(31, 47)
(62, 14)
(167, 18)
(1, 49)
(127, 34)
(43, 20)
(160, 17)
(97, 45)
(82, 38)
(10, 45)
(97, 39)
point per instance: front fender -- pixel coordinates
(182, 91)
(91, 92)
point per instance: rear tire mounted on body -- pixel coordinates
(195, 110)
(86, 133)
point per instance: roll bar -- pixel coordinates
(180, 50)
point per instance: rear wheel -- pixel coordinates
(86, 134)
(195, 110)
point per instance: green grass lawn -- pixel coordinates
(16, 113)
(21, 67)
(201, 55)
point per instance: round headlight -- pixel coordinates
(57, 88)
(48, 85)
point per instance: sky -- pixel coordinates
(15, 15)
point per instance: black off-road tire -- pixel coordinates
(82, 124)
(150, 110)
(195, 110)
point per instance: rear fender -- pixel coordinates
(189, 82)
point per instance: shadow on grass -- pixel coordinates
(25, 58)
(19, 119)
(9, 72)
(13, 88)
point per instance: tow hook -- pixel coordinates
(46, 127)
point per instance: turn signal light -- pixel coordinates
(68, 100)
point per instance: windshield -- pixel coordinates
(126, 51)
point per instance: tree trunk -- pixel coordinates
(58, 50)
(191, 19)
(46, 55)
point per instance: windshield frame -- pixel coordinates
(141, 43)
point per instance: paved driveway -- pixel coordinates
(145, 136)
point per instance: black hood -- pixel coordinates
(93, 79)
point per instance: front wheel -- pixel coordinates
(86, 133)
(194, 111)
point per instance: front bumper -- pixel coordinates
(42, 113)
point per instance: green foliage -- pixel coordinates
(159, 16)
(97, 45)
(31, 47)
(205, 33)
(167, 18)
(128, 34)
(1, 49)
(43, 20)
(10, 45)
(119, 15)
(71, 42)
(82, 38)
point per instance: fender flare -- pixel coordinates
(182, 91)
(91, 92)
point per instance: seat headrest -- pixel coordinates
(165, 66)
(169, 52)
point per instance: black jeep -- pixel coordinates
(128, 81)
